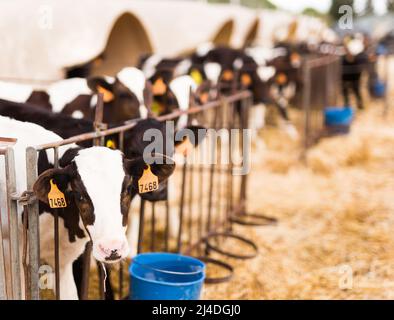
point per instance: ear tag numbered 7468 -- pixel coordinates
(148, 182)
(56, 198)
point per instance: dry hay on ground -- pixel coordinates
(336, 215)
(334, 239)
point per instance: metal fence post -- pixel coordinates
(3, 291)
(13, 224)
(306, 96)
(34, 228)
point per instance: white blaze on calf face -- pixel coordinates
(65, 91)
(355, 46)
(265, 73)
(212, 71)
(134, 79)
(101, 171)
(181, 87)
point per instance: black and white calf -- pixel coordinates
(354, 62)
(126, 96)
(98, 184)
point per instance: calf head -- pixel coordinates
(149, 134)
(125, 97)
(98, 183)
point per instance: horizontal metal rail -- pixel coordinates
(130, 124)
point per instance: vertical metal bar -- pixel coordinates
(101, 280)
(25, 217)
(219, 192)
(120, 285)
(56, 234)
(153, 227)
(211, 182)
(200, 221)
(121, 141)
(190, 205)
(306, 104)
(387, 80)
(3, 291)
(13, 225)
(230, 179)
(34, 228)
(141, 226)
(85, 271)
(167, 227)
(121, 280)
(98, 117)
(245, 103)
(181, 207)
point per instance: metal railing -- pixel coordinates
(210, 199)
(321, 80)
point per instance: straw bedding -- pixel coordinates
(336, 215)
(334, 238)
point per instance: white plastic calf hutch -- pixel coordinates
(42, 40)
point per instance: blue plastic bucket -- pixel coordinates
(337, 116)
(165, 276)
(379, 89)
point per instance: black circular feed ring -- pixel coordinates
(212, 247)
(258, 220)
(221, 264)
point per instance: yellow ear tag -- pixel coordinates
(156, 108)
(108, 96)
(111, 144)
(56, 197)
(148, 182)
(196, 76)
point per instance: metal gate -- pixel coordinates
(321, 80)
(210, 197)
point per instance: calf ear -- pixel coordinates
(202, 91)
(42, 186)
(161, 166)
(100, 85)
(148, 96)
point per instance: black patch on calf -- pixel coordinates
(40, 99)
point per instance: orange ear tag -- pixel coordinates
(246, 80)
(227, 75)
(159, 87)
(148, 182)
(56, 198)
(204, 97)
(108, 96)
(281, 78)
